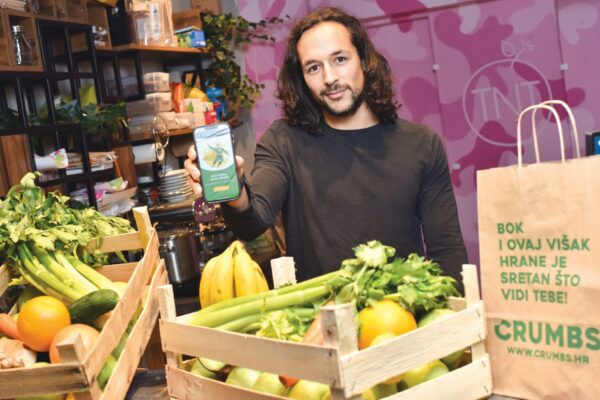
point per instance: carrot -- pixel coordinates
(314, 335)
(8, 327)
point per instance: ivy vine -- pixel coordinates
(223, 34)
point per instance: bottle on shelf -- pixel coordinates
(23, 49)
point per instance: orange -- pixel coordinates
(384, 316)
(40, 319)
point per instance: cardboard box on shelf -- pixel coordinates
(159, 102)
(192, 119)
(188, 18)
(208, 6)
(196, 106)
(138, 107)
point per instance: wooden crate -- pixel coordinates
(78, 372)
(338, 364)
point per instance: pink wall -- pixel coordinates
(465, 69)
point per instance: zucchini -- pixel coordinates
(86, 309)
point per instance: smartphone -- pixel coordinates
(216, 158)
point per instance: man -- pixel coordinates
(341, 167)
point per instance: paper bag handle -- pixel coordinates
(571, 119)
(560, 132)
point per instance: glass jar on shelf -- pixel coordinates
(22, 46)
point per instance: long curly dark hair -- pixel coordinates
(298, 103)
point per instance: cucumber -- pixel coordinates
(86, 309)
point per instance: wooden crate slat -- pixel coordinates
(56, 378)
(118, 272)
(457, 303)
(370, 366)
(185, 385)
(120, 380)
(316, 363)
(338, 326)
(472, 295)
(72, 351)
(124, 241)
(470, 382)
(4, 278)
(115, 327)
(168, 312)
(144, 225)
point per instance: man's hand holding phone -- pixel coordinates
(191, 165)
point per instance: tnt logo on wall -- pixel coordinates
(498, 91)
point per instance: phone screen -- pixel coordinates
(216, 158)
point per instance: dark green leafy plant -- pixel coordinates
(95, 119)
(102, 119)
(9, 120)
(223, 33)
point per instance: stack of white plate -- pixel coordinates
(175, 187)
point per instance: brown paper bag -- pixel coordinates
(539, 235)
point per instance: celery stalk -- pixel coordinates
(62, 260)
(236, 301)
(242, 324)
(60, 272)
(39, 285)
(295, 298)
(91, 274)
(237, 325)
(44, 277)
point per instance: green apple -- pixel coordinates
(424, 373)
(434, 315)
(244, 377)
(416, 375)
(269, 383)
(379, 392)
(304, 389)
(198, 368)
(436, 368)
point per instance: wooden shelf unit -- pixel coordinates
(157, 49)
(63, 74)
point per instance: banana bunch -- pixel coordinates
(231, 274)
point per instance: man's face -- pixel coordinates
(332, 68)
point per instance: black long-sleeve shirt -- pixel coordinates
(342, 188)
